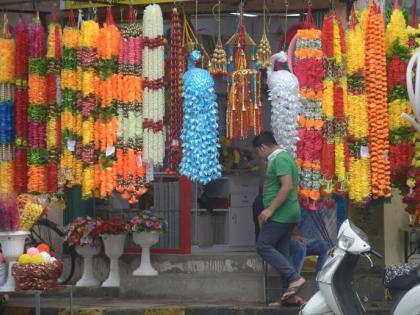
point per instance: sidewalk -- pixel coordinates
(120, 306)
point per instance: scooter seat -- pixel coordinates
(402, 277)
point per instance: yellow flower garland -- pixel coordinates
(396, 30)
(7, 60)
(7, 176)
(328, 100)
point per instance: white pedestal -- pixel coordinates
(145, 240)
(88, 252)
(12, 245)
(114, 248)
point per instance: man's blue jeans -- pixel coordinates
(273, 245)
(314, 247)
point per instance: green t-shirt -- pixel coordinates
(283, 164)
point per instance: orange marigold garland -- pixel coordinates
(376, 91)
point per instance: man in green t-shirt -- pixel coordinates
(281, 210)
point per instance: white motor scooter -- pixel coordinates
(337, 295)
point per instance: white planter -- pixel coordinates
(114, 248)
(145, 240)
(12, 245)
(88, 252)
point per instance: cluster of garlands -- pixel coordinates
(131, 168)
(21, 107)
(401, 148)
(334, 162)
(37, 110)
(154, 90)
(376, 92)
(7, 109)
(309, 71)
(53, 102)
(359, 166)
(71, 117)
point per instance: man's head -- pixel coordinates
(265, 144)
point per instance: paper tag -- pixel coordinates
(386, 155)
(364, 151)
(71, 145)
(139, 161)
(109, 151)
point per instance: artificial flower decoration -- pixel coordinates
(146, 221)
(285, 105)
(200, 139)
(82, 231)
(154, 91)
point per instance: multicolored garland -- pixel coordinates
(154, 91)
(71, 116)
(106, 125)
(7, 109)
(376, 91)
(53, 102)
(87, 58)
(37, 111)
(401, 148)
(200, 141)
(308, 69)
(21, 107)
(334, 163)
(131, 168)
(359, 165)
(177, 68)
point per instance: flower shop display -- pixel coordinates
(200, 139)
(21, 107)
(154, 91)
(244, 109)
(37, 270)
(308, 68)
(53, 102)
(376, 92)
(113, 236)
(145, 229)
(131, 168)
(71, 116)
(106, 124)
(87, 58)
(401, 149)
(285, 105)
(359, 164)
(7, 109)
(177, 69)
(83, 233)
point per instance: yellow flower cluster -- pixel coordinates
(340, 169)
(328, 100)
(71, 169)
(70, 37)
(338, 57)
(71, 79)
(359, 179)
(355, 41)
(6, 176)
(51, 133)
(7, 60)
(395, 109)
(396, 30)
(30, 214)
(88, 182)
(357, 115)
(88, 82)
(87, 131)
(89, 31)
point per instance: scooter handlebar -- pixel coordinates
(375, 253)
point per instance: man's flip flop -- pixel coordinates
(291, 292)
(299, 302)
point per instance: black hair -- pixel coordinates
(264, 138)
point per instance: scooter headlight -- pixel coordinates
(345, 242)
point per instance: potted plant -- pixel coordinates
(145, 229)
(113, 236)
(83, 233)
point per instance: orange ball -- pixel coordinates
(43, 248)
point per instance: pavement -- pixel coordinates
(25, 305)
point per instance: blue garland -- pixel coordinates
(7, 132)
(200, 138)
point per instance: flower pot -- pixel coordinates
(88, 252)
(114, 248)
(145, 240)
(12, 245)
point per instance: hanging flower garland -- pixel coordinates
(285, 105)
(359, 165)
(200, 141)
(37, 111)
(376, 91)
(308, 69)
(334, 151)
(401, 148)
(21, 107)
(177, 68)
(154, 92)
(87, 58)
(71, 116)
(53, 102)
(131, 169)
(107, 94)
(7, 109)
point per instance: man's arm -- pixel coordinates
(285, 189)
